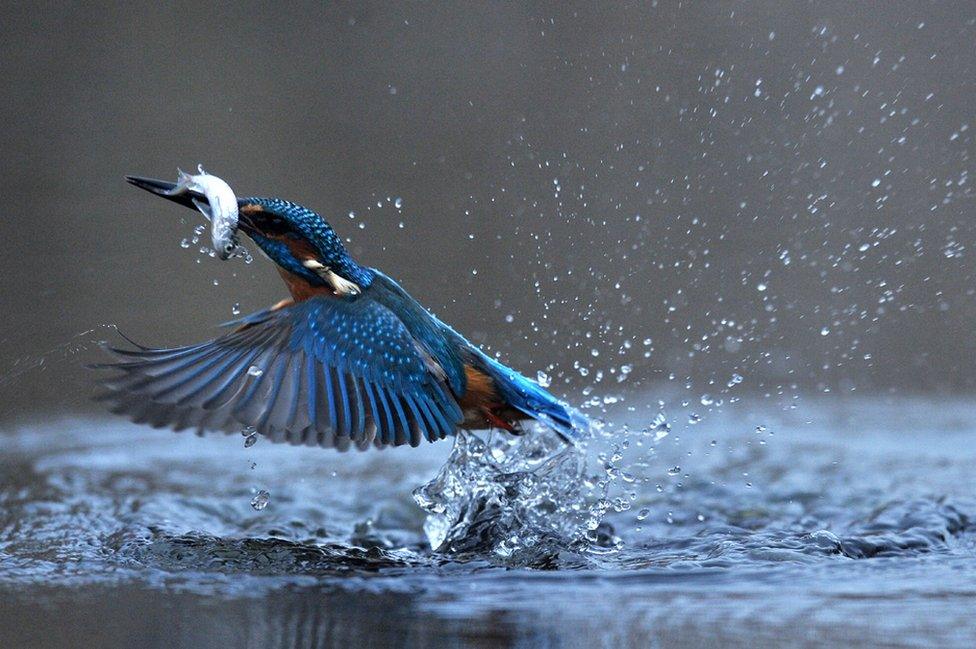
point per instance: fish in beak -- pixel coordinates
(210, 195)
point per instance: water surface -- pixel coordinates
(846, 523)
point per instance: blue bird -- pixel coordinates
(351, 359)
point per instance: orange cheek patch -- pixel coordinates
(300, 248)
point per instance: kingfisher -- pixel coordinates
(349, 360)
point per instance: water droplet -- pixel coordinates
(254, 370)
(261, 500)
(735, 380)
(543, 379)
(675, 470)
(236, 309)
(824, 331)
(694, 418)
(250, 441)
(398, 202)
(660, 426)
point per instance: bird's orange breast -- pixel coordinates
(482, 404)
(480, 389)
(300, 288)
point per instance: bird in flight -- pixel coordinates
(351, 359)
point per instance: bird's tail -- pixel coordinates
(535, 401)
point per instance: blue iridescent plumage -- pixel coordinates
(321, 369)
(333, 368)
(317, 232)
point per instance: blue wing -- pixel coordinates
(325, 372)
(452, 352)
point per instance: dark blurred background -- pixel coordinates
(678, 194)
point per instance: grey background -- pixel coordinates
(596, 173)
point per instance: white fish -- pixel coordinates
(220, 207)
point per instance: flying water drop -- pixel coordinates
(261, 500)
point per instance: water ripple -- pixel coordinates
(813, 518)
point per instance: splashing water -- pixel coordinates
(58, 354)
(523, 499)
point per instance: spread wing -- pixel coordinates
(326, 372)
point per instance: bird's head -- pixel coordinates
(298, 240)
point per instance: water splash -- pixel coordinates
(522, 500)
(56, 355)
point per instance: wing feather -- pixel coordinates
(332, 372)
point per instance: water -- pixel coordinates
(835, 523)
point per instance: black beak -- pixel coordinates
(186, 199)
(161, 187)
